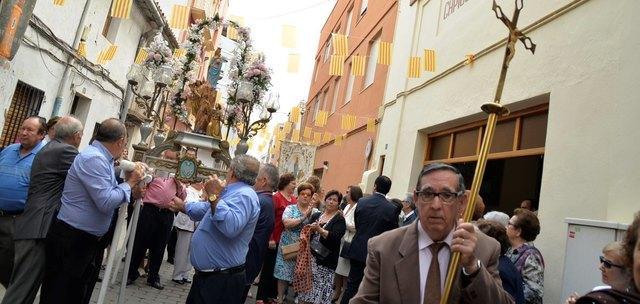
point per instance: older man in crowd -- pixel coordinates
(15, 174)
(48, 173)
(220, 244)
(154, 227)
(393, 256)
(266, 183)
(90, 196)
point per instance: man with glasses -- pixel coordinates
(89, 198)
(416, 257)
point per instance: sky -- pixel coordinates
(266, 19)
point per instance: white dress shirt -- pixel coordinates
(424, 241)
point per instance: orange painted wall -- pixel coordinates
(347, 162)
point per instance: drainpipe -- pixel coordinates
(67, 69)
(128, 95)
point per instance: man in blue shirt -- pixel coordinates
(220, 244)
(15, 177)
(90, 196)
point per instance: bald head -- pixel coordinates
(110, 131)
(69, 130)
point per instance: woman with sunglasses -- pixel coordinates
(522, 230)
(615, 274)
(631, 292)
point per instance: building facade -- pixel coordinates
(570, 142)
(38, 82)
(365, 23)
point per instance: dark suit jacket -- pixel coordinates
(409, 220)
(48, 173)
(374, 215)
(511, 279)
(392, 272)
(260, 239)
(336, 227)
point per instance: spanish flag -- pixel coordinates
(414, 67)
(336, 66)
(142, 55)
(340, 44)
(121, 9)
(384, 52)
(357, 65)
(287, 128)
(179, 17)
(429, 60)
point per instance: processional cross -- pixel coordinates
(493, 109)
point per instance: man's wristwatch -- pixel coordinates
(213, 198)
(466, 273)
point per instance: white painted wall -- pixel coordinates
(586, 61)
(41, 71)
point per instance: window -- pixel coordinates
(110, 28)
(327, 50)
(80, 108)
(363, 6)
(347, 96)
(347, 30)
(316, 108)
(324, 101)
(370, 74)
(336, 93)
(26, 101)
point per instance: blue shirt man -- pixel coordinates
(222, 238)
(219, 246)
(91, 192)
(15, 177)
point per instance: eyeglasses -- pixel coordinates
(608, 264)
(446, 196)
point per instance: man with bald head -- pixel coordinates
(89, 198)
(15, 171)
(220, 244)
(48, 173)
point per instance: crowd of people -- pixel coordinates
(260, 226)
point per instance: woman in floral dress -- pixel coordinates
(522, 230)
(293, 218)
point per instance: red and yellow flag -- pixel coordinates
(326, 137)
(294, 116)
(107, 54)
(307, 132)
(293, 64)
(340, 44)
(179, 17)
(289, 36)
(384, 52)
(317, 138)
(357, 65)
(339, 139)
(59, 2)
(232, 32)
(179, 53)
(295, 136)
(336, 66)
(121, 8)
(142, 55)
(429, 60)
(82, 48)
(414, 67)
(371, 125)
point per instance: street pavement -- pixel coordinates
(139, 292)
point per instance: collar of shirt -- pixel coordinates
(425, 241)
(232, 187)
(103, 150)
(18, 147)
(405, 216)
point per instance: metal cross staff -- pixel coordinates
(493, 109)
